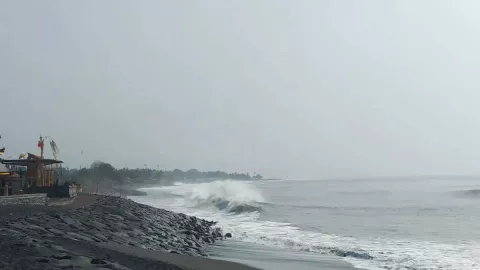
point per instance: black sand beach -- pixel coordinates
(101, 232)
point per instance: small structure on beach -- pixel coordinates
(35, 171)
(29, 174)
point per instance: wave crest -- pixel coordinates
(472, 193)
(229, 196)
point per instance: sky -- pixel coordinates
(291, 89)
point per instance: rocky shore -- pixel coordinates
(110, 233)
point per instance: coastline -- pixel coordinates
(270, 258)
(242, 249)
(97, 232)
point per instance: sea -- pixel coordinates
(392, 223)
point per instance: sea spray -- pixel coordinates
(229, 196)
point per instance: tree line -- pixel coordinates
(104, 174)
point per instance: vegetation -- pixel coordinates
(103, 175)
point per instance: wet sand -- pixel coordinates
(271, 258)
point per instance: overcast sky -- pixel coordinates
(299, 89)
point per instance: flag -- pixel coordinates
(40, 143)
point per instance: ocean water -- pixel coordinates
(370, 224)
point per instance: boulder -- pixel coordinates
(98, 261)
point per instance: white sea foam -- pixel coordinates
(218, 201)
(229, 196)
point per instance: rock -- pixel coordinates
(98, 261)
(120, 218)
(58, 248)
(218, 233)
(81, 260)
(65, 264)
(79, 236)
(36, 228)
(187, 232)
(100, 236)
(97, 240)
(62, 257)
(110, 220)
(117, 266)
(55, 231)
(199, 229)
(228, 235)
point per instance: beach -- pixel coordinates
(275, 225)
(102, 232)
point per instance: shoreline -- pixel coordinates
(275, 258)
(105, 232)
(259, 254)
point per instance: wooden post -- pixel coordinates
(41, 144)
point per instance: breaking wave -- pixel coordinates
(245, 201)
(471, 193)
(229, 196)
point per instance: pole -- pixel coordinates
(5, 188)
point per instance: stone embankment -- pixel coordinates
(76, 237)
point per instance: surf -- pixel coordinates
(242, 210)
(228, 196)
(469, 193)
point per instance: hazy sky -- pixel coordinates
(308, 89)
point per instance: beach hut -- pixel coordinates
(40, 172)
(35, 174)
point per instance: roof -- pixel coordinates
(25, 162)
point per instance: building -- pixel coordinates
(31, 174)
(34, 174)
